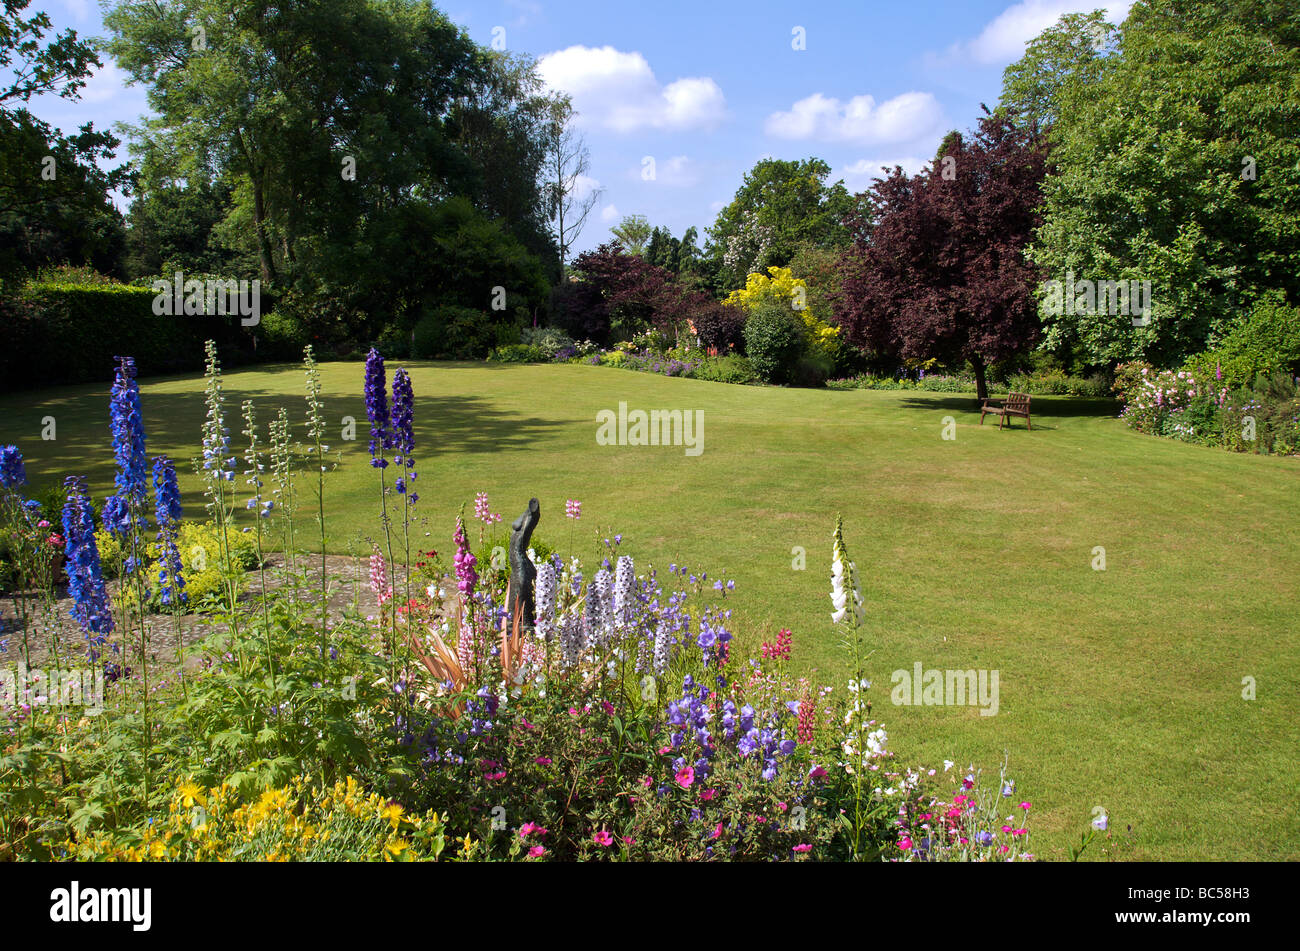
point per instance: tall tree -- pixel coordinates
(1180, 166)
(943, 273)
(632, 233)
(779, 206)
(1071, 55)
(570, 194)
(54, 203)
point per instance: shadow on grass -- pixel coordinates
(1059, 407)
(173, 425)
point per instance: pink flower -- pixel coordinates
(646, 781)
(803, 847)
(603, 838)
(628, 840)
(500, 775)
(817, 773)
(43, 523)
(536, 852)
(664, 749)
(607, 707)
(530, 828)
(685, 776)
(707, 794)
(905, 844)
(1006, 828)
(1024, 806)
(717, 830)
(543, 761)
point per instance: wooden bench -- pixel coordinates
(1016, 404)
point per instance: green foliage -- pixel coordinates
(1071, 54)
(1178, 165)
(726, 369)
(72, 333)
(549, 340)
(458, 333)
(779, 207)
(199, 544)
(774, 341)
(518, 353)
(1267, 340)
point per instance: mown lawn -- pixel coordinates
(1119, 688)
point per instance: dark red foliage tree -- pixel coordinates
(943, 272)
(718, 325)
(636, 294)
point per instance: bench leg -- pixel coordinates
(1030, 422)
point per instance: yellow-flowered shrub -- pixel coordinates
(781, 286)
(199, 544)
(296, 823)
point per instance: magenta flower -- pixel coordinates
(603, 838)
(543, 761)
(685, 776)
(573, 508)
(803, 847)
(1024, 806)
(905, 844)
(536, 852)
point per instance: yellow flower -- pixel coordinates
(393, 813)
(191, 793)
(395, 849)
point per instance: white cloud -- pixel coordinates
(676, 172)
(619, 91)
(609, 213)
(901, 119)
(1003, 40)
(857, 177)
(105, 84)
(584, 185)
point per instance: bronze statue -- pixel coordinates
(523, 573)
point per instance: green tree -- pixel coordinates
(1074, 53)
(1180, 166)
(54, 203)
(779, 206)
(632, 233)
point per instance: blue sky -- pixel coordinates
(707, 88)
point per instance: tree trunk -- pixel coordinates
(981, 384)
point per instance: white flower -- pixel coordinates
(947, 765)
(876, 741)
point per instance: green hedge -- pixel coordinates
(70, 333)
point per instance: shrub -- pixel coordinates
(774, 341)
(812, 369)
(296, 823)
(1267, 341)
(720, 326)
(728, 369)
(71, 333)
(199, 545)
(550, 340)
(281, 336)
(518, 353)
(458, 333)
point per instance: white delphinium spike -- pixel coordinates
(544, 600)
